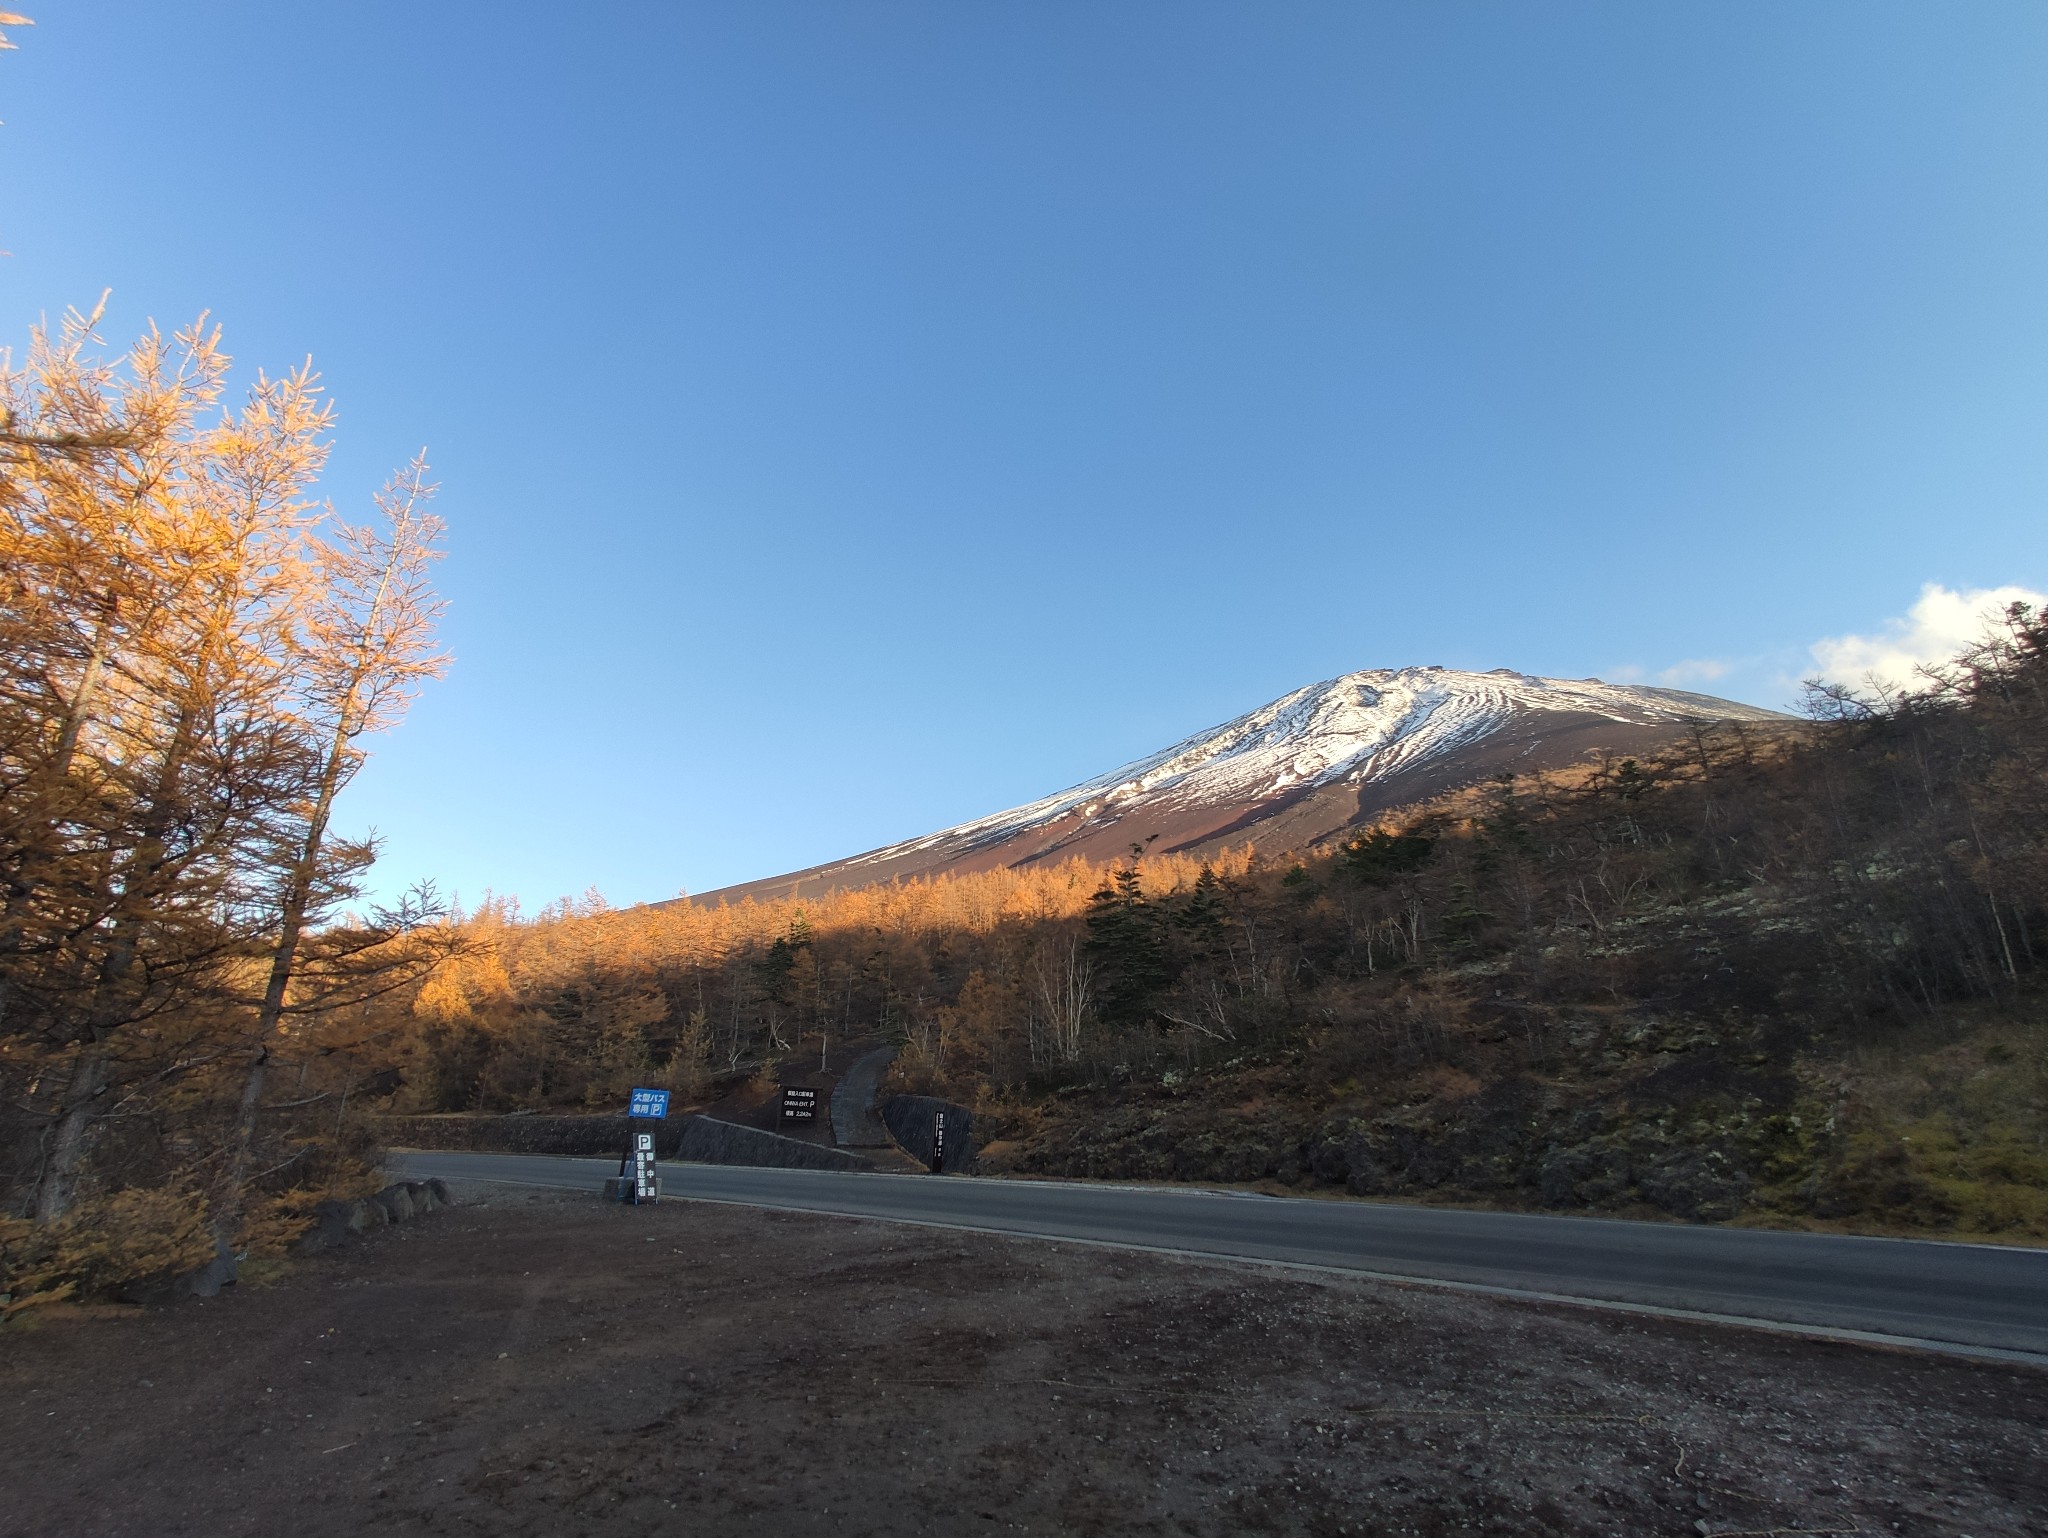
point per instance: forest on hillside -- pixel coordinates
(1786, 972)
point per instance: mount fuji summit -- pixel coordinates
(1291, 774)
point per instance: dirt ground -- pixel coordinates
(527, 1364)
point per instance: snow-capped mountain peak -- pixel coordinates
(1362, 727)
(1300, 770)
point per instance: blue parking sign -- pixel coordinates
(648, 1102)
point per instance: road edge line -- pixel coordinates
(1873, 1338)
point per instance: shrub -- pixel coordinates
(100, 1246)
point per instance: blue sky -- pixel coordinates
(854, 418)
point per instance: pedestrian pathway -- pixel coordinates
(854, 1122)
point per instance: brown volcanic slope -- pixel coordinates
(1294, 772)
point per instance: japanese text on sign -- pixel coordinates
(647, 1102)
(644, 1187)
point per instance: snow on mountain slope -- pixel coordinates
(1298, 771)
(1362, 727)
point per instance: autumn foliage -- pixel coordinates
(192, 650)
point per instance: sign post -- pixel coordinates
(639, 1180)
(798, 1103)
(938, 1142)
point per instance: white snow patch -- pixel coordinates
(1364, 726)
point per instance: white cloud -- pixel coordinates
(1697, 670)
(1940, 624)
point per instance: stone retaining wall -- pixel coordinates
(705, 1141)
(573, 1136)
(697, 1139)
(909, 1120)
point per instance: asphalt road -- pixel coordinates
(1970, 1295)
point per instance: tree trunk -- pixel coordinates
(51, 774)
(58, 1187)
(79, 706)
(92, 1068)
(298, 895)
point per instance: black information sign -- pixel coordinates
(938, 1142)
(798, 1103)
(637, 1179)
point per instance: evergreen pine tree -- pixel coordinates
(1127, 939)
(1377, 857)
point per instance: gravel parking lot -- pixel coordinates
(534, 1363)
